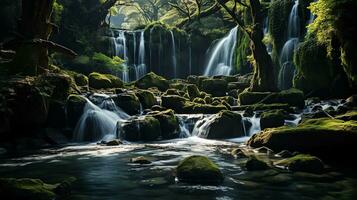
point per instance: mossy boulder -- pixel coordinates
(146, 98)
(225, 124)
(169, 123)
(216, 87)
(199, 100)
(254, 164)
(199, 170)
(81, 80)
(237, 86)
(193, 91)
(100, 81)
(272, 119)
(60, 83)
(129, 102)
(330, 139)
(197, 108)
(293, 97)
(75, 105)
(31, 189)
(302, 163)
(152, 80)
(140, 129)
(174, 102)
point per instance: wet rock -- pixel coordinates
(352, 101)
(99, 81)
(302, 163)
(114, 143)
(316, 108)
(81, 80)
(145, 128)
(254, 164)
(233, 93)
(351, 115)
(147, 98)
(199, 170)
(284, 154)
(328, 138)
(341, 109)
(75, 105)
(272, 118)
(129, 102)
(174, 102)
(169, 123)
(215, 87)
(152, 80)
(193, 91)
(238, 85)
(158, 108)
(140, 160)
(248, 112)
(226, 124)
(238, 153)
(199, 100)
(265, 150)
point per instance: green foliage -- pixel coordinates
(57, 12)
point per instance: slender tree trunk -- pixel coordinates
(264, 76)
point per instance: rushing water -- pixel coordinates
(174, 59)
(220, 61)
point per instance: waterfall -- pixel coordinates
(220, 61)
(174, 61)
(134, 48)
(120, 50)
(287, 68)
(140, 69)
(98, 122)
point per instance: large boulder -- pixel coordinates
(60, 83)
(140, 129)
(193, 91)
(302, 163)
(327, 138)
(75, 105)
(81, 80)
(99, 81)
(255, 164)
(293, 97)
(216, 87)
(272, 119)
(225, 124)
(129, 102)
(169, 123)
(152, 80)
(199, 170)
(147, 98)
(174, 102)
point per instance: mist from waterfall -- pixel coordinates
(287, 68)
(220, 61)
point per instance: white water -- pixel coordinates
(287, 68)
(140, 69)
(174, 60)
(220, 61)
(99, 122)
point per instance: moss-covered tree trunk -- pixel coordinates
(34, 28)
(264, 76)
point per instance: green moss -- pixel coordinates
(199, 170)
(272, 118)
(216, 87)
(254, 164)
(303, 163)
(147, 98)
(152, 80)
(169, 124)
(81, 80)
(242, 53)
(129, 102)
(260, 107)
(29, 189)
(350, 115)
(98, 81)
(193, 91)
(141, 129)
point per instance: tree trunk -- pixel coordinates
(264, 76)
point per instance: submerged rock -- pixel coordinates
(254, 164)
(114, 143)
(302, 163)
(328, 138)
(272, 119)
(140, 160)
(199, 170)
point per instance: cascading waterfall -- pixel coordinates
(120, 49)
(140, 69)
(174, 60)
(287, 69)
(99, 122)
(221, 59)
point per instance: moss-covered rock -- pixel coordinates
(293, 97)
(140, 129)
(60, 83)
(99, 81)
(193, 91)
(216, 87)
(174, 102)
(129, 102)
(169, 124)
(147, 98)
(302, 163)
(330, 139)
(32, 189)
(350, 115)
(262, 107)
(152, 80)
(81, 80)
(254, 164)
(272, 118)
(199, 170)
(199, 100)
(75, 105)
